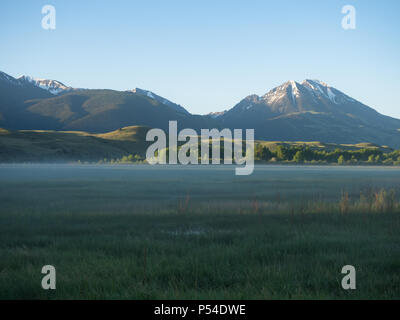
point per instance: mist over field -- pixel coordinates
(135, 187)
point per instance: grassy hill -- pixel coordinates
(68, 146)
(62, 146)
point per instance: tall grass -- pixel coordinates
(378, 201)
(367, 201)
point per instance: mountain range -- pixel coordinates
(306, 111)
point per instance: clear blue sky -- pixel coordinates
(208, 55)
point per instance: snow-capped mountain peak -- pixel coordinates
(314, 89)
(290, 87)
(305, 96)
(53, 86)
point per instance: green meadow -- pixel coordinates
(199, 232)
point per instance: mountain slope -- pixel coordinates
(310, 111)
(13, 96)
(107, 110)
(158, 98)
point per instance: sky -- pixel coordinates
(208, 55)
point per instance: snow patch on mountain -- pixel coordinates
(160, 99)
(319, 88)
(217, 114)
(295, 91)
(331, 95)
(150, 95)
(281, 92)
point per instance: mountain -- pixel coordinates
(312, 111)
(14, 91)
(53, 86)
(306, 111)
(13, 95)
(33, 104)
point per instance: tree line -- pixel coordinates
(305, 154)
(299, 154)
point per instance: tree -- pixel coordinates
(341, 160)
(282, 153)
(299, 156)
(266, 154)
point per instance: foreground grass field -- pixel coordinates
(109, 238)
(193, 257)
